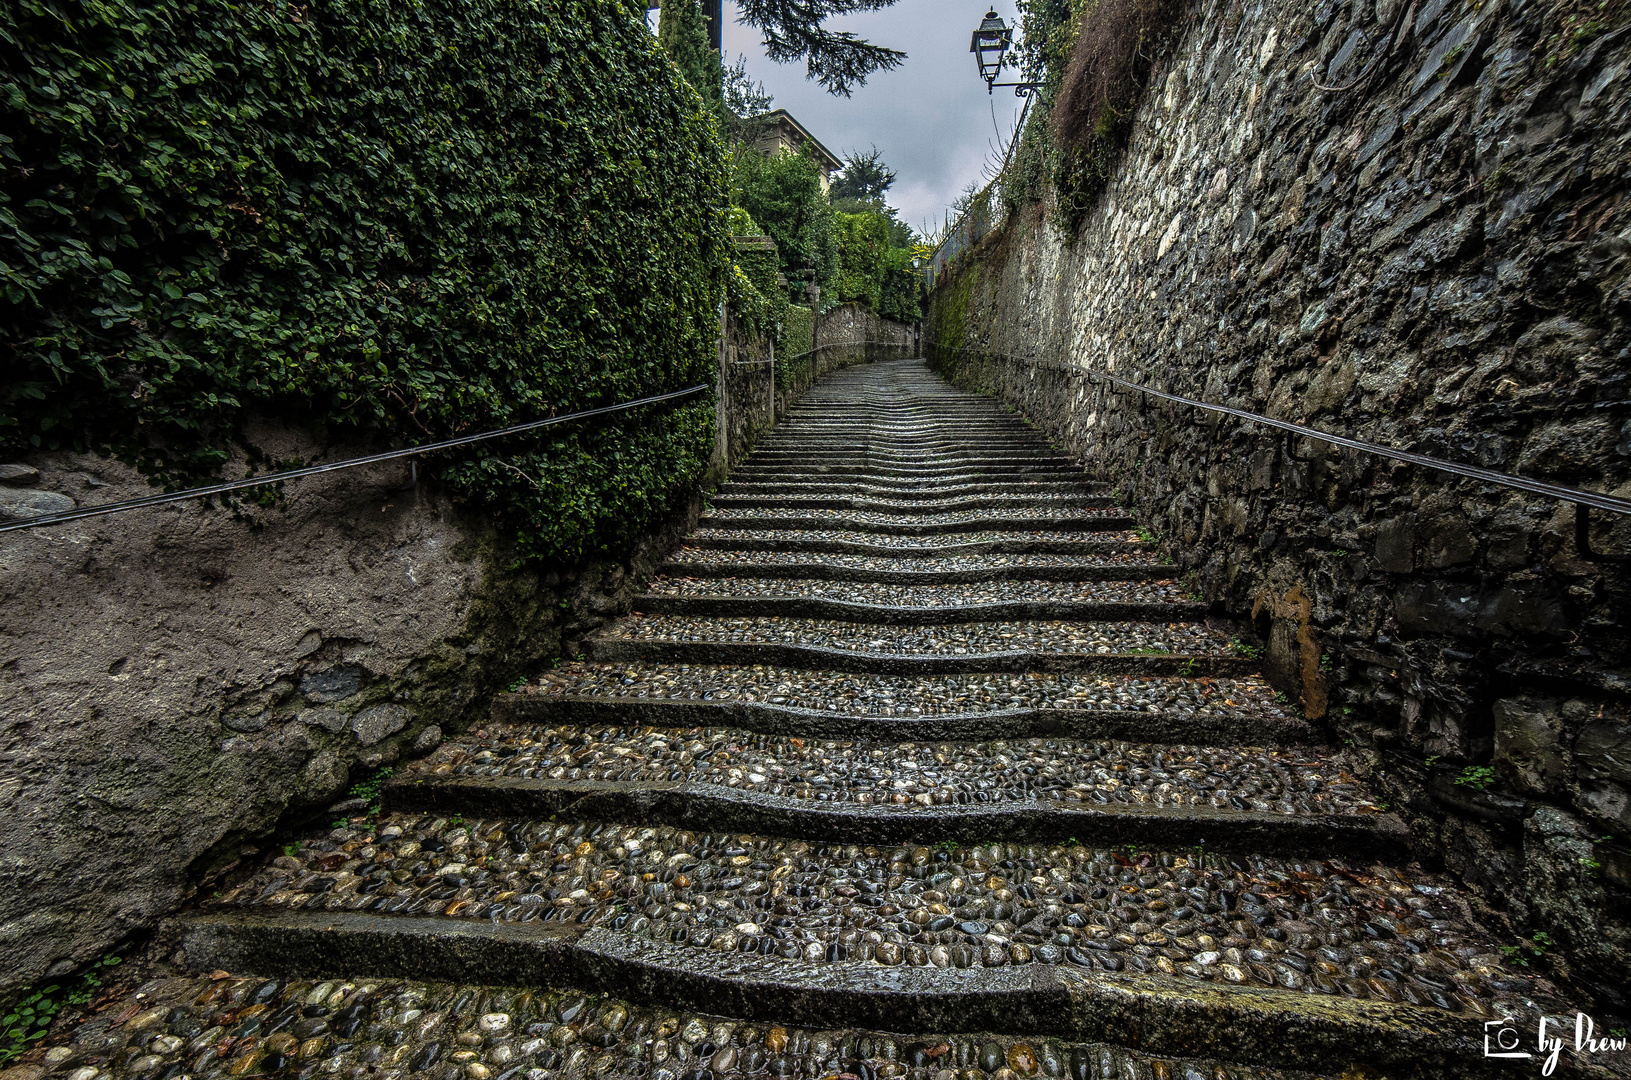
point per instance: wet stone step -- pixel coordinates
(916, 490)
(199, 1026)
(907, 526)
(1157, 592)
(1325, 928)
(819, 466)
(915, 459)
(695, 561)
(908, 646)
(1048, 501)
(887, 695)
(1103, 773)
(799, 701)
(974, 542)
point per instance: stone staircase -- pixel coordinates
(916, 762)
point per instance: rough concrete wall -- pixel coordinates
(178, 682)
(1434, 255)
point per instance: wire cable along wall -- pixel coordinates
(1584, 501)
(335, 466)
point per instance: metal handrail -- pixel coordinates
(334, 466)
(1584, 501)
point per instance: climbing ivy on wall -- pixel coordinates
(1093, 59)
(406, 220)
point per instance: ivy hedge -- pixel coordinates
(404, 220)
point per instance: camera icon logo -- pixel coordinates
(1501, 1040)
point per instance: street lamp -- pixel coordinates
(990, 46)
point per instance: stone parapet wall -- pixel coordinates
(846, 335)
(1404, 223)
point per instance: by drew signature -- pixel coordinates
(1502, 1039)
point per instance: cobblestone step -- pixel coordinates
(464, 1031)
(913, 489)
(995, 599)
(1053, 502)
(1070, 940)
(834, 704)
(910, 645)
(1037, 790)
(912, 525)
(915, 460)
(694, 562)
(853, 542)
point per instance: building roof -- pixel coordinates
(831, 159)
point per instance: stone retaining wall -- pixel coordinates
(180, 684)
(1404, 222)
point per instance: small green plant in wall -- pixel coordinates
(29, 1018)
(1246, 649)
(1536, 947)
(1477, 777)
(369, 790)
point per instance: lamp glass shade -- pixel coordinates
(990, 45)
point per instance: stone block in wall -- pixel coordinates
(1396, 544)
(1530, 756)
(1602, 763)
(1560, 887)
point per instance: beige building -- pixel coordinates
(778, 132)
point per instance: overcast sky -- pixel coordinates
(931, 116)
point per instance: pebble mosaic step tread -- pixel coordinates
(884, 473)
(1057, 502)
(952, 571)
(878, 459)
(903, 526)
(212, 1028)
(995, 597)
(870, 792)
(885, 936)
(772, 606)
(803, 702)
(914, 648)
(982, 542)
(916, 491)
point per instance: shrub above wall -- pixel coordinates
(406, 220)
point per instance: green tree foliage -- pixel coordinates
(864, 178)
(783, 194)
(839, 61)
(875, 253)
(863, 251)
(873, 270)
(745, 96)
(406, 220)
(902, 292)
(682, 31)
